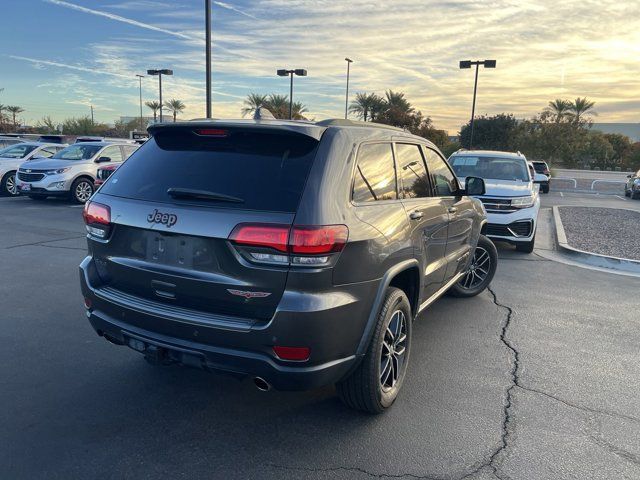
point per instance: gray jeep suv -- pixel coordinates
(295, 253)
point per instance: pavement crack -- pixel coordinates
(353, 470)
(43, 243)
(514, 373)
(596, 411)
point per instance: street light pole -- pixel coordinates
(140, 77)
(346, 101)
(159, 73)
(283, 73)
(467, 64)
(207, 8)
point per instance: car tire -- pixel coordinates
(626, 192)
(8, 187)
(38, 197)
(526, 247)
(545, 189)
(632, 195)
(81, 190)
(485, 261)
(374, 385)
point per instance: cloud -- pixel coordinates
(234, 9)
(38, 63)
(117, 18)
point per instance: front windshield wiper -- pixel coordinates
(202, 195)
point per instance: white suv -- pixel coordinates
(511, 199)
(13, 156)
(72, 171)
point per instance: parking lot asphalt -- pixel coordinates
(537, 378)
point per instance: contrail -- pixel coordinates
(118, 18)
(235, 9)
(65, 65)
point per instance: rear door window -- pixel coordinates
(375, 177)
(267, 170)
(444, 181)
(411, 169)
(114, 153)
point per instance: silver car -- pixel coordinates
(13, 156)
(70, 172)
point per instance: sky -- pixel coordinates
(59, 57)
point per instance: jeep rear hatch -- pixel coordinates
(175, 203)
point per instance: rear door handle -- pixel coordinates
(417, 215)
(452, 209)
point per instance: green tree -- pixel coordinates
(155, 107)
(175, 107)
(559, 109)
(46, 125)
(278, 105)
(14, 110)
(491, 132)
(582, 110)
(253, 102)
(83, 126)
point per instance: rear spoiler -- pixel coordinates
(301, 128)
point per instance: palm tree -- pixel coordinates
(581, 108)
(155, 106)
(175, 106)
(397, 104)
(15, 110)
(559, 109)
(278, 105)
(253, 102)
(297, 110)
(364, 105)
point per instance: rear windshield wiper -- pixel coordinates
(202, 195)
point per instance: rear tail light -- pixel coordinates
(297, 245)
(97, 218)
(298, 354)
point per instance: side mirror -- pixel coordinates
(474, 186)
(103, 160)
(630, 175)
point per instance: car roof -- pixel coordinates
(312, 129)
(101, 143)
(489, 153)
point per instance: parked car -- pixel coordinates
(9, 141)
(284, 251)
(70, 172)
(542, 176)
(511, 201)
(12, 157)
(538, 178)
(104, 173)
(632, 187)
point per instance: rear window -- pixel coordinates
(540, 167)
(266, 170)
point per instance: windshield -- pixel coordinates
(77, 152)
(17, 151)
(496, 168)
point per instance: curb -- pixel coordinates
(595, 259)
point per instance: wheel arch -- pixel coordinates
(400, 276)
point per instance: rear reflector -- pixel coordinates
(96, 213)
(212, 132)
(292, 353)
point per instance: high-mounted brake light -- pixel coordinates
(96, 213)
(212, 132)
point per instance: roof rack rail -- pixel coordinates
(342, 122)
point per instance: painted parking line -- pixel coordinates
(561, 194)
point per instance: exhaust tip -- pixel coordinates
(261, 384)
